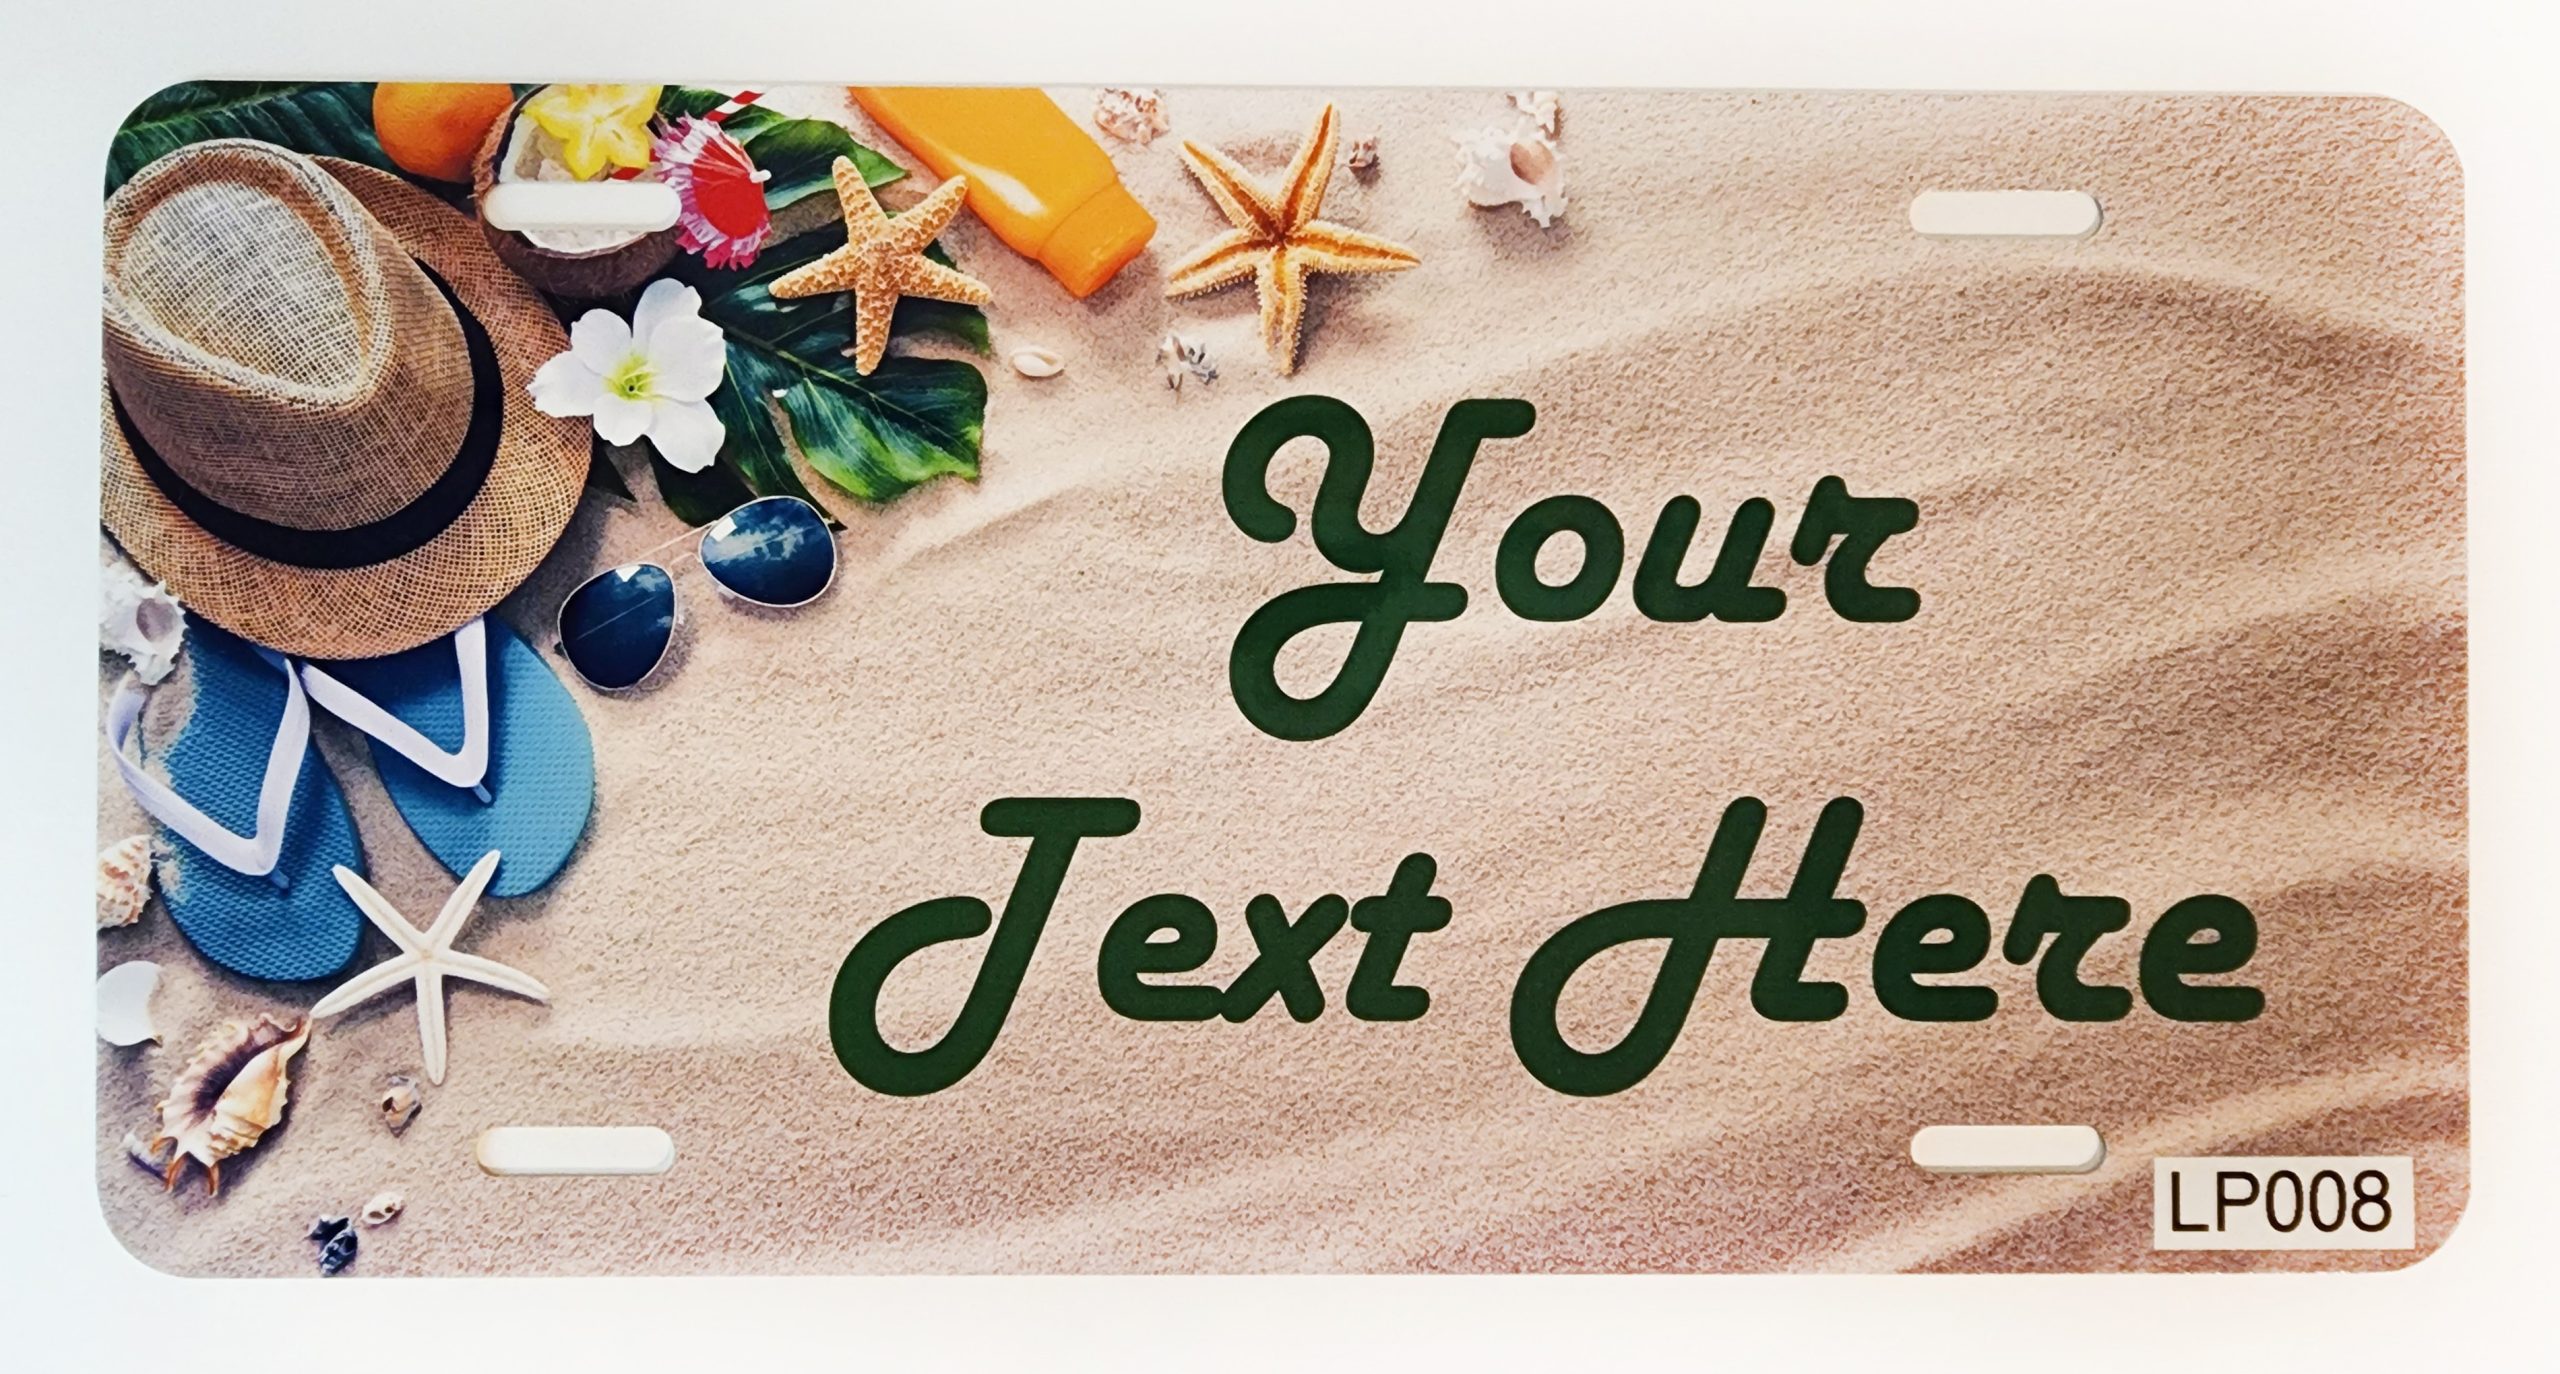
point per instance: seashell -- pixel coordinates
(400, 1102)
(1500, 168)
(124, 881)
(1181, 358)
(383, 1207)
(1542, 108)
(124, 1003)
(1036, 361)
(337, 1241)
(1363, 158)
(140, 620)
(229, 1094)
(1131, 116)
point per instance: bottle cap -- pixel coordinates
(1097, 239)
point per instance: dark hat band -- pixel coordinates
(403, 531)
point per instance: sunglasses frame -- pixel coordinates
(560, 634)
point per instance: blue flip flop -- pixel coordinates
(479, 745)
(257, 817)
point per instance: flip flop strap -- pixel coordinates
(463, 767)
(253, 854)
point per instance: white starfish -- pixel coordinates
(426, 959)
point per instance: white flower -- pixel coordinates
(650, 377)
(140, 620)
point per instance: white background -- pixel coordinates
(70, 1297)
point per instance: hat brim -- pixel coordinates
(400, 603)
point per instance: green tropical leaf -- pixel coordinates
(602, 475)
(755, 446)
(802, 153)
(330, 120)
(911, 420)
(698, 498)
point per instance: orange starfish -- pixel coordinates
(883, 259)
(1277, 239)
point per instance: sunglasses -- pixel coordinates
(775, 551)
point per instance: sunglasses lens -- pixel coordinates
(615, 626)
(775, 552)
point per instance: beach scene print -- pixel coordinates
(1183, 680)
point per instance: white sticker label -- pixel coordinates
(2269, 1202)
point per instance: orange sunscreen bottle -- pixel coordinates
(1041, 183)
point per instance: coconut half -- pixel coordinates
(579, 264)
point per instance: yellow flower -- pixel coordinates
(597, 125)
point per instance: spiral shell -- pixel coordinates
(124, 881)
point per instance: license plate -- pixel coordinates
(830, 679)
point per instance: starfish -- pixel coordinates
(883, 259)
(426, 959)
(1277, 239)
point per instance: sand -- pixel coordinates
(2191, 559)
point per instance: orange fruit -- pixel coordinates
(433, 128)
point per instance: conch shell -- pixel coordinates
(1131, 116)
(140, 620)
(228, 1095)
(124, 881)
(1501, 167)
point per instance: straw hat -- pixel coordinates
(317, 430)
